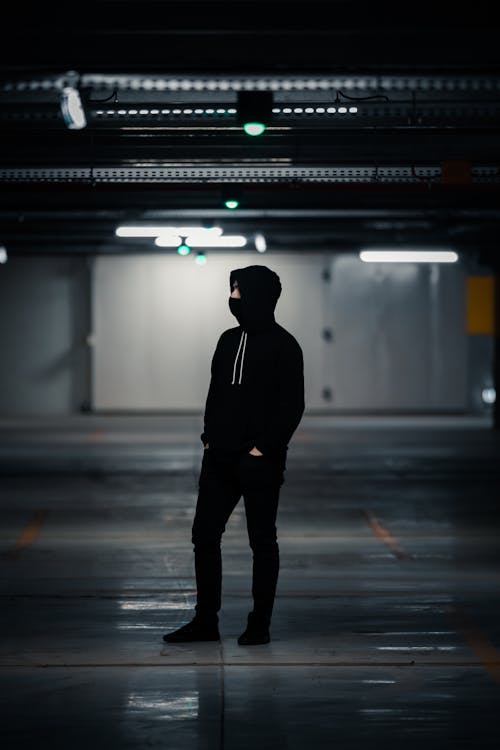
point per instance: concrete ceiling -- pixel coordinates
(385, 123)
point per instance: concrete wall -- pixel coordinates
(43, 324)
(399, 335)
(376, 338)
(158, 319)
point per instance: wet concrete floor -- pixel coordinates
(386, 625)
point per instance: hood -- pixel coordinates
(260, 289)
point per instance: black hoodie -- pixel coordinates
(256, 393)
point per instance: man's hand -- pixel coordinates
(255, 451)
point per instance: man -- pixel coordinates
(254, 404)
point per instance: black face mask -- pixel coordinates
(235, 307)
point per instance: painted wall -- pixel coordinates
(376, 338)
(43, 324)
(158, 319)
(399, 335)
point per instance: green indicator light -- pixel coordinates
(183, 249)
(201, 259)
(254, 128)
(231, 204)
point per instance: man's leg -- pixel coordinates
(219, 493)
(261, 483)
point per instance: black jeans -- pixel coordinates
(221, 485)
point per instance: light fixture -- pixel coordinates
(201, 259)
(71, 103)
(183, 248)
(260, 242)
(254, 128)
(488, 395)
(231, 197)
(3, 254)
(254, 111)
(408, 256)
(230, 240)
(156, 231)
(72, 109)
(190, 236)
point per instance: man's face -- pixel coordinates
(236, 292)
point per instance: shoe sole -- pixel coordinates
(253, 643)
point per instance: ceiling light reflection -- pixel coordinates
(139, 605)
(184, 707)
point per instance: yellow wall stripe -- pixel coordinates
(481, 305)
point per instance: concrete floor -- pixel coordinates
(386, 628)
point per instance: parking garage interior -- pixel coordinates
(146, 151)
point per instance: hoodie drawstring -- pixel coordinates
(243, 340)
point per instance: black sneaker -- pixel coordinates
(195, 630)
(257, 631)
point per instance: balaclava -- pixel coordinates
(260, 289)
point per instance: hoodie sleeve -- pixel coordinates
(290, 404)
(210, 400)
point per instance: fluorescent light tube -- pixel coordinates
(234, 240)
(156, 231)
(408, 256)
(260, 242)
(72, 108)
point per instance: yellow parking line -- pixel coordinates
(488, 655)
(28, 534)
(385, 535)
(96, 435)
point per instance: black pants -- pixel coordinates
(221, 485)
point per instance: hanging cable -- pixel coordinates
(360, 98)
(114, 94)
